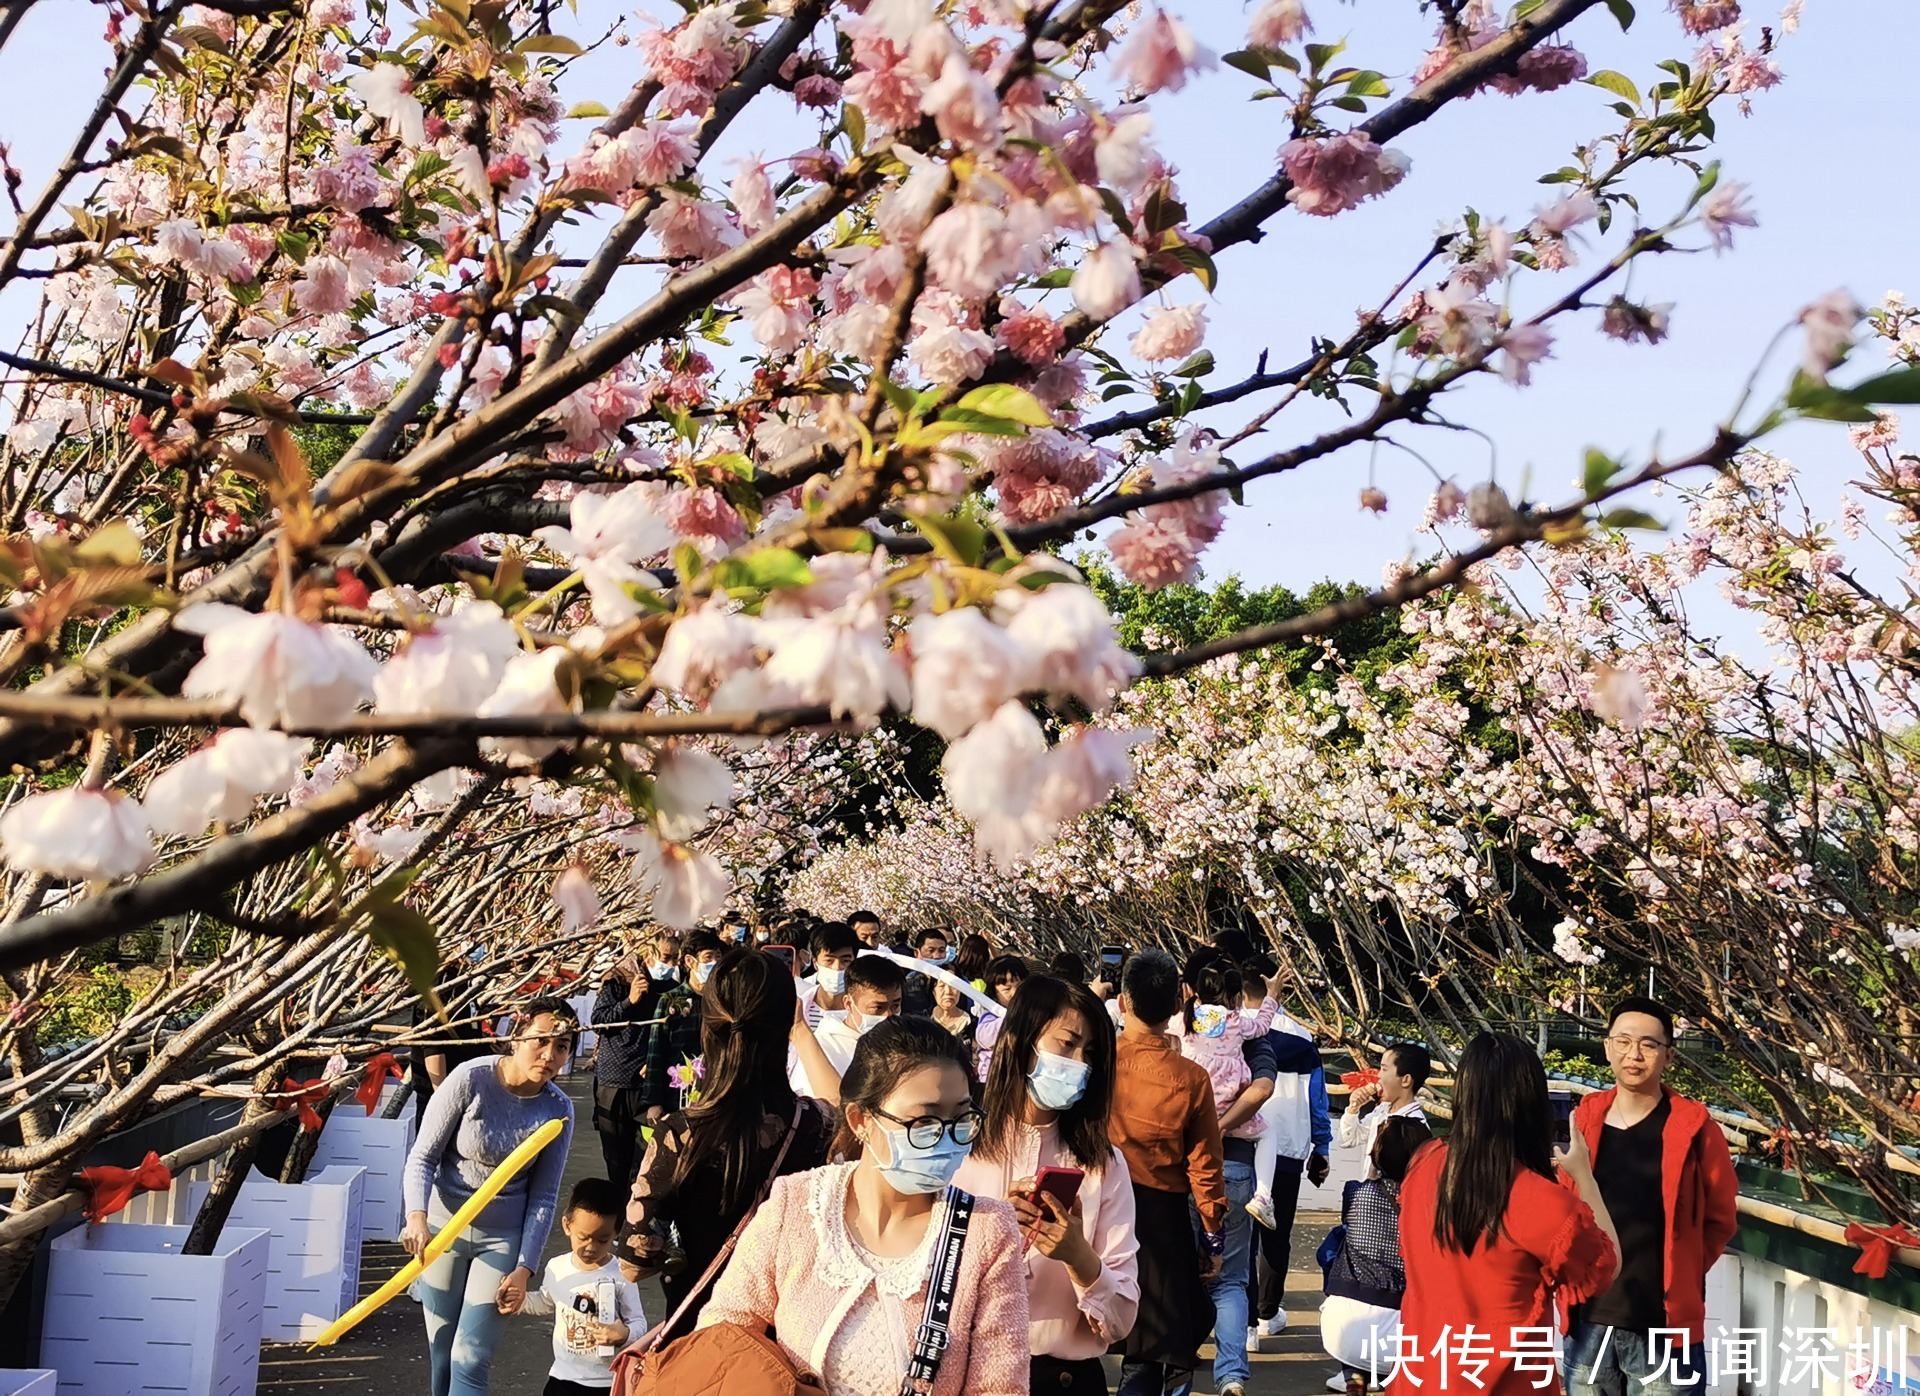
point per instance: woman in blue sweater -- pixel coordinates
(482, 1112)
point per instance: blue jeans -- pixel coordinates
(457, 1295)
(1625, 1364)
(1152, 1379)
(1229, 1287)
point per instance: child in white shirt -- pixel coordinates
(595, 1312)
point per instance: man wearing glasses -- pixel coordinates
(1663, 1168)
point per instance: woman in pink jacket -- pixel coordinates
(1046, 1100)
(836, 1262)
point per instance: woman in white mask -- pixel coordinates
(838, 1261)
(1047, 1096)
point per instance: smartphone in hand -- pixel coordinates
(1063, 1184)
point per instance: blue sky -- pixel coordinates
(1828, 155)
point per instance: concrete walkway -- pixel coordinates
(387, 1355)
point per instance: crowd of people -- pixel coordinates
(930, 1166)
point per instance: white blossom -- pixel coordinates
(687, 886)
(387, 89)
(280, 670)
(687, 785)
(77, 834)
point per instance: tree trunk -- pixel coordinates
(300, 1156)
(16, 1256)
(211, 1219)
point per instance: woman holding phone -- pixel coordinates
(1043, 1146)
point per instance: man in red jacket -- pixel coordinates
(1663, 1168)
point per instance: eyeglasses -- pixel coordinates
(925, 1132)
(1632, 1046)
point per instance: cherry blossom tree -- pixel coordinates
(1563, 775)
(569, 543)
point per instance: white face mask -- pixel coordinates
(832, 981)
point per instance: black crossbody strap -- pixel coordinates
(930, 1343)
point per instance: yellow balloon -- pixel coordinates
(509, 1168)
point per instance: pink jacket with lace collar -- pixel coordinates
(796, 1272)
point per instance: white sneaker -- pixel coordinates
(1260, 1208)
(1337, 1382)
(1272, 1327)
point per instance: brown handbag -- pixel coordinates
(726, 1359)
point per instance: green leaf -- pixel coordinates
(550, 43)
(1199, 366)
(1367, 83)
(427, 166)
(1053, 280)
(1630, 518)
(1008, 403)
(1319, 55)
(686, 562)
(1619, 84)
(960, 419)
(410, 939)
(1599, 472)
(958, 540)
(766, 569)
(1826, 403)
(582, 109)
(1622, 11)
(1198, 262)
(1709, 177)
(394, 885)
(1250, 63)
(900, 398)
(1900, 385)
(855, 122)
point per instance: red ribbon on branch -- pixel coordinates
(305, 1094)
(1782, 1142)
(1877, 1245)
(378, 1070)
(111, 1189)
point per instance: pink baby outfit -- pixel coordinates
(1225, 1061)
(843, 1313)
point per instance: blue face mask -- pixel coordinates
(910, 1170)
(664, 972)
(700, 973)
(947, 958)
(832, 981)
(1057, 1082)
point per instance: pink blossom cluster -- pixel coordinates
(1160, 544)
(1333, 174)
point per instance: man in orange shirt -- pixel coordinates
(1166, 1127)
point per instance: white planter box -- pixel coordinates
(128, 1315)
(356, 1139)
(313, 1275)
(23, 1381)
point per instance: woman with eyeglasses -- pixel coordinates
(1046, 1103)
(836, 1263)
